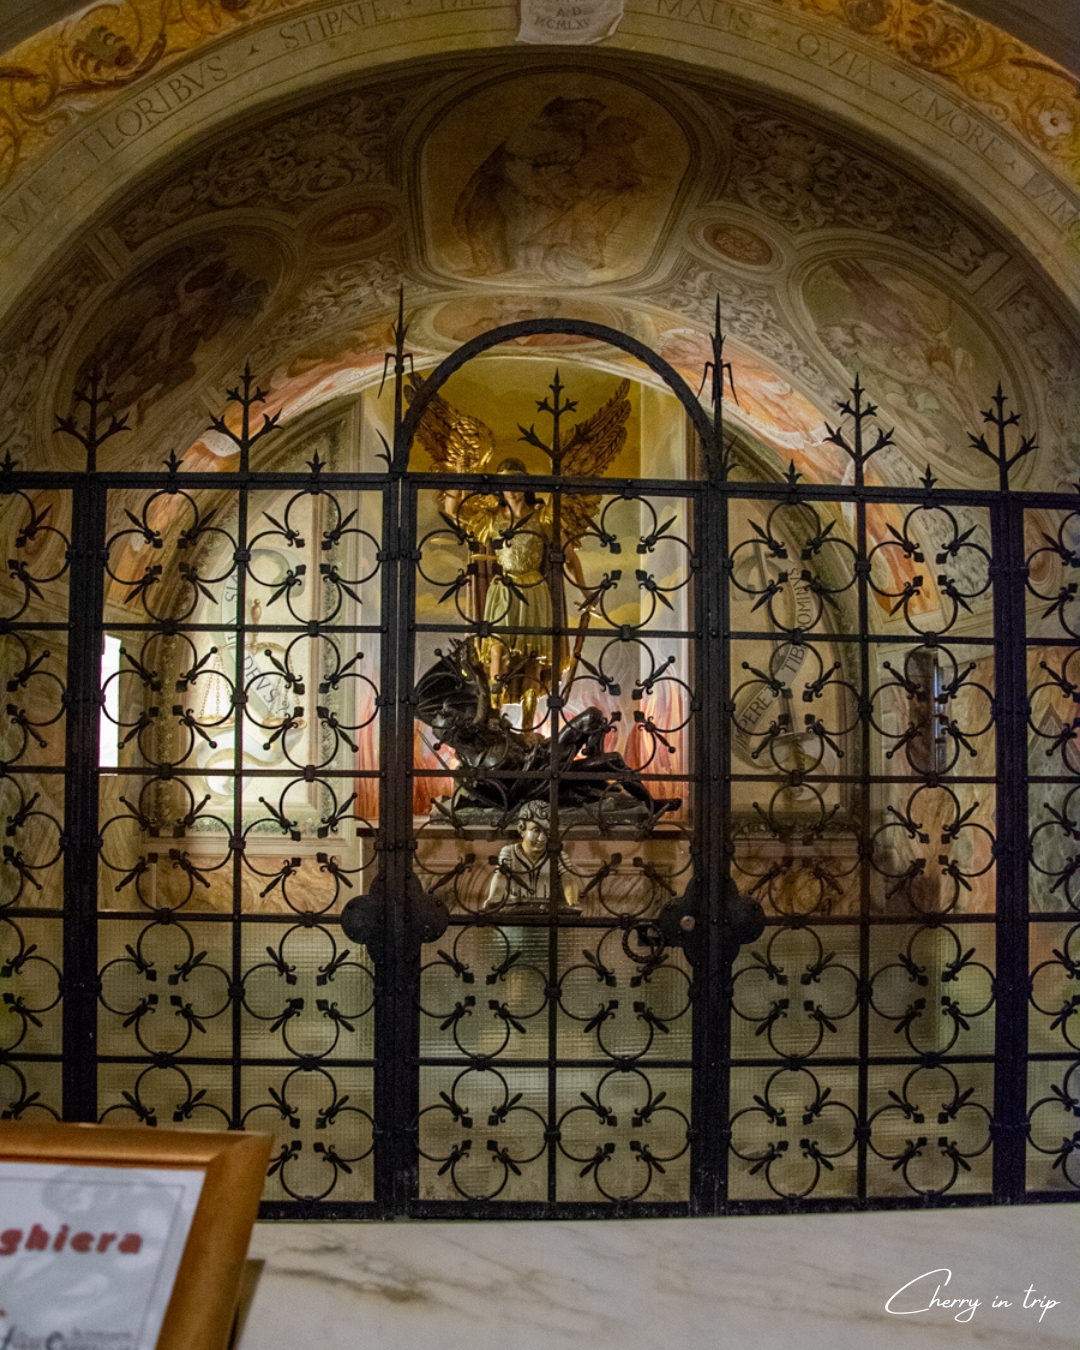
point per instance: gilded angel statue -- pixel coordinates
(510, 582)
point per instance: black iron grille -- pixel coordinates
(800, 929)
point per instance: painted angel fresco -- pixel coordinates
(510, 582)
(549, 198)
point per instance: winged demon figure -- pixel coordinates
(501, 767)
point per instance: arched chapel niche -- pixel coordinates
(808, 841)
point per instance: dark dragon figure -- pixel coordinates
(501, 768)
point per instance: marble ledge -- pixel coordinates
(818, 1282)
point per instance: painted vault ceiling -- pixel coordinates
(625, 189)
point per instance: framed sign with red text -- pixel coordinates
(123, 1239)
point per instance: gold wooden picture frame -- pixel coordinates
(203, 1303)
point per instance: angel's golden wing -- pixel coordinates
(595, 442)
(591, 446)
(456, 442)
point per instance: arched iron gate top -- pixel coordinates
(509, 332)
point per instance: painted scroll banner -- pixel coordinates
(568, 22)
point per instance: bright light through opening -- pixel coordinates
(108, 731)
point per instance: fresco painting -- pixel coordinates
(335, 366)
(76, 66)
(739, 244)
(765, 403)
(916, 350)
(359, 225)
(460, 320)
(528, 189)
(566, 180)
(159, 322)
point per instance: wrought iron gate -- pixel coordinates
(800, 757)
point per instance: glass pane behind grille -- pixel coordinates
(864, 819)
(1052, 539)
(519, 835)
(238, 807)
(556, 1031)
(35, 533)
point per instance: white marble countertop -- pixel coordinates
(812, 1282)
